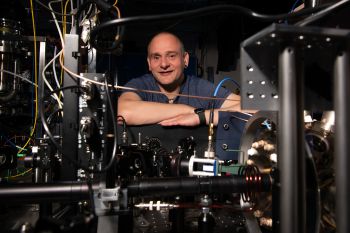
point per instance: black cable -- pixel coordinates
(55, 12)
(115, 132)
(46, 127)
(49, 118)
(61, 89)
(322, 13)
(194, 13)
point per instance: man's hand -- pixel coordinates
(190, 119)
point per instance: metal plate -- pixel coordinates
(317, 48)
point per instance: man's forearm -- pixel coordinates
(144, 112)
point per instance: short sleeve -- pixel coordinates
(136, 83)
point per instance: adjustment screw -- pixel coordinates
(226, 126)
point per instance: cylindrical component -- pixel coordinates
(342, 140)
(291, 144)
(35, 193)
(206, 222)
(171, 186)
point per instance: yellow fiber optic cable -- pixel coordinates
(35, 80)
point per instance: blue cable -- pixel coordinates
(294, 5)
(267, 124)
(8, 141)
(292, 9)
(222, 81)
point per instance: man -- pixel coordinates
(167, 60)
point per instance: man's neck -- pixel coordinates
(172, 91)
(171, 94)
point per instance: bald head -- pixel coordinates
(165, 36)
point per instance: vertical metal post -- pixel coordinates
(291, 144)
(37, 175)
(42, 58)
(342, 139)
(70, 109)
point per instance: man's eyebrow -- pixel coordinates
(167, 52)
(154, 54)
(176, 52)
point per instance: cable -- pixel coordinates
(195, 13)
(35, 78)
(294, 5)
(54, 70)
(18, 175)
(56, 23)
(86, 15)
(49, 118)
(322, 13)
(73, 19)
(222, 81)
(83, 6)
(59, 148)
(115, 132)
(105, 7)
(46, 127)
(47, 83)
(9, 141)
(52, 11)
(64, 19)
(19, 76)
(117, 87)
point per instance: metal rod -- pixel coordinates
(291, 144)
(342, 139)
(171, 186)
(35, 193)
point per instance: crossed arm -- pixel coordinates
(138, 112)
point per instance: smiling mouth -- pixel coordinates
(165, 72)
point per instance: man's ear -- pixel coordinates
(149, 66)
(186, 59)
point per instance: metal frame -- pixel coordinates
(342, 138)
(276, 83)
(70, 109)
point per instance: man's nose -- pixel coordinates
(164, 63)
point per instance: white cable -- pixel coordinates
(47, 83)
(19, 76)
(73, 18)
(56, 22)
(54, 70)
(84, 18)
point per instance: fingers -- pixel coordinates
(181, 120)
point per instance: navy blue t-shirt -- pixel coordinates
(191, 86)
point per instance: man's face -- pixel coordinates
(167, 60)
